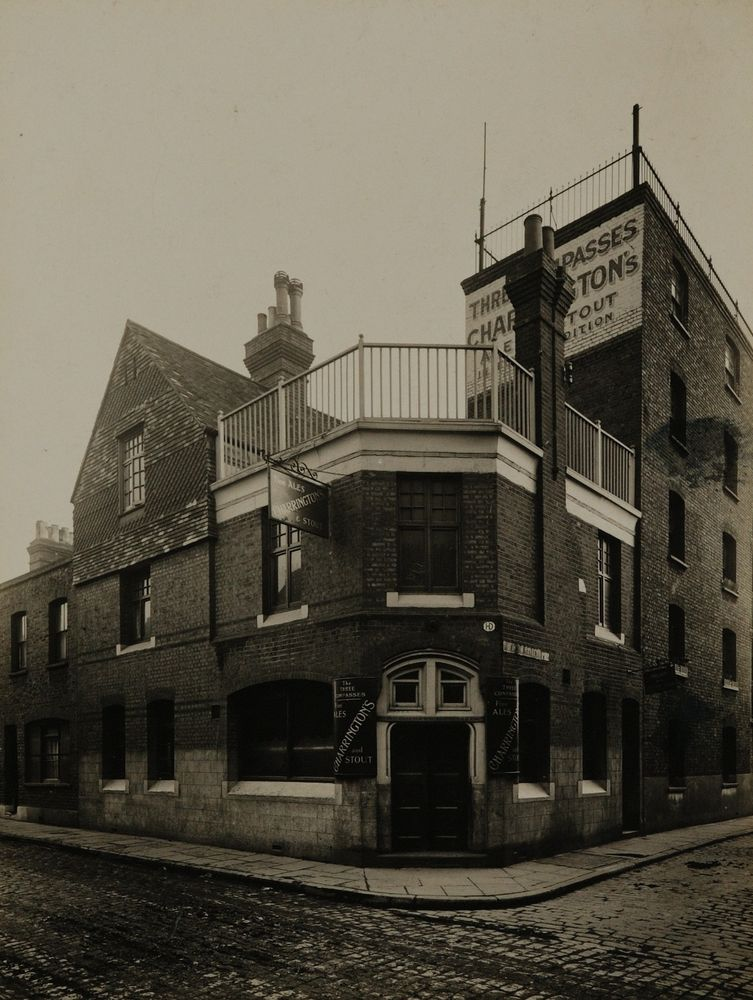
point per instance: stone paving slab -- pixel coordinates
(419, 888)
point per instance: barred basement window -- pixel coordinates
(676, 634)
(429, 534)
(729, 755)
(132, 482)
(679, 293)
(160, 740)
(729, 655)
(113, 742)
(18, 641)
(534, 733)
(729, 561)
(136, 605)
(282, 730)
(676, 526)
(48, 751)
(678, 413)
(58, 630)
(594, 736)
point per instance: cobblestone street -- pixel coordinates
(73, 927)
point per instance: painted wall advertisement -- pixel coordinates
(355, 727)
(606, 265)
(298, 501)
(501, 695)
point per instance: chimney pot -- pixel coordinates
(281, 287)
(54, 532)
(41, 529)
(261, 320)
(272, 316)
(533, 237)
(295, 288)
(548, 237)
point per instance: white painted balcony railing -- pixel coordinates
(598, 456)
(405, 382)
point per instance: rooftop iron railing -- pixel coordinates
(599, 457)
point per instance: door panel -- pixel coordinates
(631, 766)
(429, 786)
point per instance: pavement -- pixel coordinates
(404, 887)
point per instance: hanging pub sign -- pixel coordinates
(502, 725)
(298, 501)
(665, 676)
(355, 727)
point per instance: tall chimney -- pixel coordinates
(532, 229)
(548, 236)
(280, 349)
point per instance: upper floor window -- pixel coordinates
(160, 740)
(732, 366)
(730, 463)
(429, 534)
(729, 561)
(132, 485)
(113, 742)
(609, 583)
(136, 605)
(283, 729)
(284, 566)
(48, 750)
(58, 630)
(679, 291)
(676, 526)
(18, 658)
(729, 655)
(533, 734)
(676, 634)
(678, 415)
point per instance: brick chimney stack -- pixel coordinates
(541, 294)
(50, 545)
(280, 349)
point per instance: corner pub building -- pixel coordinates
(505, 605)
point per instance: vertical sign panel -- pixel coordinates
(502, 725)
(355, 727)
(299, 502)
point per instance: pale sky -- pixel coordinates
(161, 159)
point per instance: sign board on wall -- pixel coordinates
(502, 725)
(298, 501)
(355, 727)
(606, 264)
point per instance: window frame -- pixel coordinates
(19, 645)
(732, 366)
(160, 739)
(594, 739)
(679, 293)
(113, 742)
(729, 655)
(58, 630)
(678, 409)
(429, 528)
(676, 526)
(131, 469)
(609, 583)
(136, 605)
(297, 751)
(729, 561)
(731, 479)
(283, 542)
(534, 733)
(45, 765)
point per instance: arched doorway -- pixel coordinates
(431, 734)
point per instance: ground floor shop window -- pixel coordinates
(281, 730)
(534, 733)
(48, 751)
(160, 738)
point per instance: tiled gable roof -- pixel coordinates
(205, 386)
